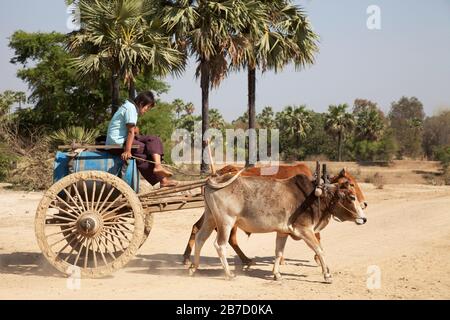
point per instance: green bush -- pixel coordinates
(442, 154)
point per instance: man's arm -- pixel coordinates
(130, 139)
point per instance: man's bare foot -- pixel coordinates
(166, 183)
(162, 172)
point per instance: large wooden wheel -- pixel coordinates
(91, 221)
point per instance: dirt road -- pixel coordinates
(407, 238)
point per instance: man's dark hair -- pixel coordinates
(145, 98)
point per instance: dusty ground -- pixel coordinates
(407, 237)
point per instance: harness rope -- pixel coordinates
(170, 166)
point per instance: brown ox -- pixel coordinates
(284, 172)
(287, 207)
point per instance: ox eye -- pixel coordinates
(353, 198)
(352, 185)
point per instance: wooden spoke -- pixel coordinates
(80, 211)
(112, 228)
(118, 223)
(94, 253)
(62, 218)
(93, 194)
(79, 196)
(86, 256)
(59, 224)
(63, 210)
(100, 250)
(65, 237)
(106, 199)
(119, 215)
(79, 252)
(63, 231)
(124, 223)
(100, 196)
(115, 210)
(111, 204)
(116, 236)
(86, 194)
(67, 244)
(110, 241)
(100, 239)
(120, 240)
(79, 238)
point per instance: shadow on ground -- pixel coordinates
(35, 264)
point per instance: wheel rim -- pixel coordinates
(89, 220)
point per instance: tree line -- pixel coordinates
(123, 46)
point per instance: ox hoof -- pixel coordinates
(230, 276)
(192, 270)
(277, 277)
(328, 278)
(187, 261)
(248, 263)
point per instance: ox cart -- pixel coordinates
(93, 219)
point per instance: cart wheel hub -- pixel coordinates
(89, 224)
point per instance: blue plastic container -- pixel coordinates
(99, 161)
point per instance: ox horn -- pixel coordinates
(220, 185)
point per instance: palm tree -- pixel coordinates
(369, 125)
(281, 35)
(266, 118)
(189, 108)
(207, 30)
(179, 106)
(296, 122)
(337, 123)
(120, 37)
(216, 119)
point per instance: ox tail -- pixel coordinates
(220, 185)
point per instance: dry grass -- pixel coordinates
(33, 168)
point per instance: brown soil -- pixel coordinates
(407, 236)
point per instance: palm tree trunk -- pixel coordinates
(340, 146)
(251, 111)
(115, 92)
(131, 90)
(204, 84)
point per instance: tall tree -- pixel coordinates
(369, 124)
(436, 133)
(266, 118)
(216, 120)
(338, 122)
(280, 35)
(207, 30)
(406, 117)
(120, 36)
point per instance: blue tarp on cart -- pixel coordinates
(99, 161)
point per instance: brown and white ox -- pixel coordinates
(288, 207)
(280, 172)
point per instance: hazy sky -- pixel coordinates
(409, 56)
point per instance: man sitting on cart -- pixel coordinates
(123, 130)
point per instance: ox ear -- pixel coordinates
(343, 172)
